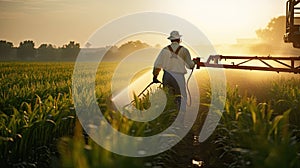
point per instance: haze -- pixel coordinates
(59, 21)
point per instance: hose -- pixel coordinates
(187, 87)
(141, 93)
(188, 90)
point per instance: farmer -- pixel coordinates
(174, 59)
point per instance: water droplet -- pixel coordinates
(142, 152)
(197, 163)
(148, 164)
(92, 126)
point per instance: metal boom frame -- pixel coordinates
(213, 61)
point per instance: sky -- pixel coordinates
(60, 21)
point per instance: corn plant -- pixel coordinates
(250, 134)
(37, 122)
(36, 109)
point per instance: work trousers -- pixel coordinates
(175, 83)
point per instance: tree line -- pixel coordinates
(27, 51)
(68, 52)
(271, 42)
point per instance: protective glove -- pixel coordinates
(196, 60)
(155, 80)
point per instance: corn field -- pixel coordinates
(39, 127)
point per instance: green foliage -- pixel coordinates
(67, 52)
(5, 48)
(47, 51)
(26, 49)
(70, 50)
(37, 119)
(36, 110)
(253, 134)
(274, 31)
(37, 122)
(143, 102)
(76, 153)
(115, 53)
(285, 95)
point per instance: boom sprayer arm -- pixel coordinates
(288, 64)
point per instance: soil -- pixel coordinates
(187, 150)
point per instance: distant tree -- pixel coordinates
(70, 51)
(131, 46)
(47, 51)
(157, 46)
(111, 50)
(88, 45)
(26, 49)
(274, 31)
(5, 49)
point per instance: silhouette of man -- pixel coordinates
(174, 59)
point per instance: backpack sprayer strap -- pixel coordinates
(174, 54)
(188, 80)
